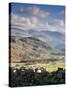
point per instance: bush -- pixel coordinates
(27, 77)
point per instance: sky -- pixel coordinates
(37, 17)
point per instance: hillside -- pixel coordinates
(54, 39)
(27, 48)
(30, 49)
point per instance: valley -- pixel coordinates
(30, 52)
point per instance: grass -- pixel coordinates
(49, 67)
(54, 67)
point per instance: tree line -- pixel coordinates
(29, 77)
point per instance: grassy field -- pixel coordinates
(49, 67)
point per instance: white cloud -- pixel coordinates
(27, 23)
(59, 22)
(35, 11)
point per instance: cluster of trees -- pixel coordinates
(29, 77)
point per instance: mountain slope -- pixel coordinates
(54, 39)
(27, 48)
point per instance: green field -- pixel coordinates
(49, 67)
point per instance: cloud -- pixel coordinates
(62, 12)
(34, 11)
(57, 22)
(26, 23)
(33, 23)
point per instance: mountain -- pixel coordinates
(35, 45)
(27, 48)
(53, 38)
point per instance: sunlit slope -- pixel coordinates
(33, 53)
